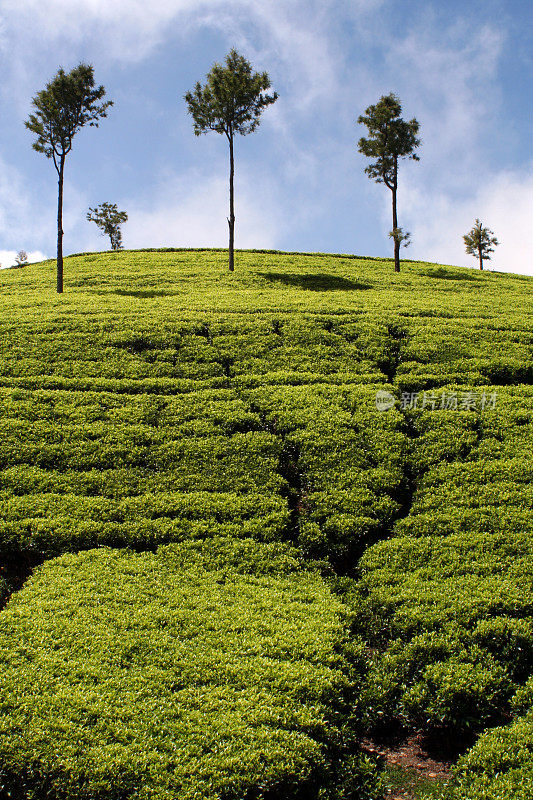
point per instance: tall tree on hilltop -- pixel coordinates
(390, 138)
(70, 101)
(479, 242)
(231, 102)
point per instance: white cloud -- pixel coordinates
(446, 74)
(456, 90)
(456, 98)
(504, 204)
(292, 37)
(129, 29)
(7, 258)
(301, 36)
(294, 40)
(192, 211)
(28, 215)
(21, 217)
(449, 75)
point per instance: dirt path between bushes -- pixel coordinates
(412, 757)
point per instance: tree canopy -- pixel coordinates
(232, 99)
(389, 138)
(70, 101)
(479, 242)
(109, 219)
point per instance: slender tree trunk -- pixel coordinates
(60, 227)
(480, 259)
(395, 227)
(231, 220)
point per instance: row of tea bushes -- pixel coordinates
(448, 601)
(499, 766)
(453, 617)
(161, 398)
(464, 349)
(50, 524)
(326, 447)
(185, 350)
(345, 461)
(81, 469)
(87, 413)
(220, 669)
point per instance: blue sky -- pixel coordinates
(464, 69)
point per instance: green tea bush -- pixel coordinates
(458, 695)
(474, 594)
(346, 465)
(164, 400)
(459, 571)
(50, 524)
(499, 766)
(204, 670)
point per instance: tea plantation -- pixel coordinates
(223, 564)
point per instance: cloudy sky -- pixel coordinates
(462, 67)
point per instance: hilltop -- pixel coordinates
(251, 521)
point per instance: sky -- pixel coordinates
(462, 68)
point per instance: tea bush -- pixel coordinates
(459, 569)
(499, 766)
(204, 670)
(161, 400)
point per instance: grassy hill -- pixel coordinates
(248, 520)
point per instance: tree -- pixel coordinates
(69, 102)
(400, 237)
(390, 138)
(109, 219)
(231, 102)
(479, 242)
(21, 259)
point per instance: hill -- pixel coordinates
(248, 520)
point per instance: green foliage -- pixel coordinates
(232, 100)
(21, 259)
(479, 242)
(198, 671)
(68, 103)
(109, 219)
(219, 412)
(166, 402)
(401, 237)
(459, 570)
(499, 766)
(472, 592)
(389, 138)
